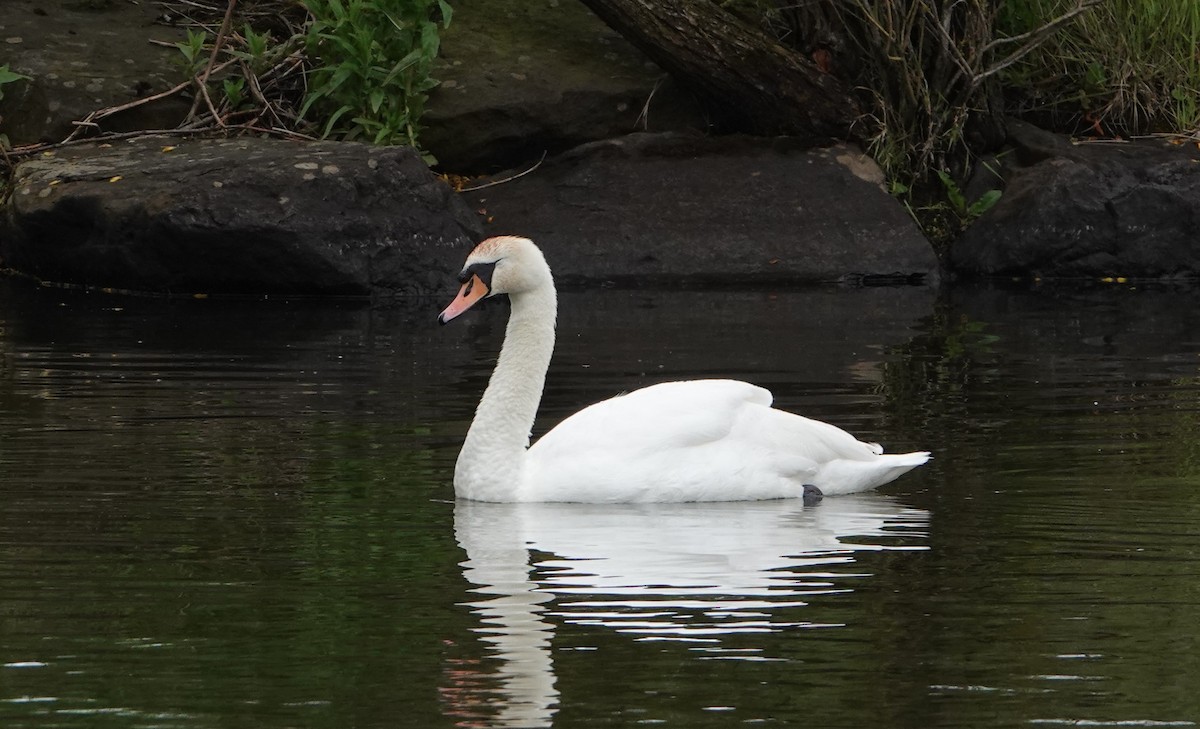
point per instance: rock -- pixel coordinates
(688, 208)
(520, 79)
(85, 55)
(246, 216)
(1097, 209)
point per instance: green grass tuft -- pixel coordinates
(1125, 67)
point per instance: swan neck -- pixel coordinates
(491, 465)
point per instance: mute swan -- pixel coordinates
(699, 440)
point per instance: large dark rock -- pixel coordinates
(1095, 209)
(236, 216)
(677, 207)
(82, 56)
(520, 79)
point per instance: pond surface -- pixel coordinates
(240, 514)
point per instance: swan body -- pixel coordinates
(698, 440)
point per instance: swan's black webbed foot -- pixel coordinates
(811, 495)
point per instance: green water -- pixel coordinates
(227, 514)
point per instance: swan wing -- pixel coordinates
(700, 440)
(667, 415)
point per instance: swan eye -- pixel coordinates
(482, 270)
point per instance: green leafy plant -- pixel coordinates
(371, 66)
(235, 91)
(193, 51)
(966, 211)
(8, 76)
(257, 47)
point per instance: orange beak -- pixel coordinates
(470, 293)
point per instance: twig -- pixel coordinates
(1080, 6)
(1034, 39)
(90, 119)
(950, 46)
(1092, 140)
(192, 4)
(644, 117)
(493, 183)
(212, 60)
(31, 149)
(278, 131)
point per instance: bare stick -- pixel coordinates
(212, 60)
(493, 183)
(644, 117)
(1035, 39)
(90, 119)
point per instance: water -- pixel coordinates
(227, 514)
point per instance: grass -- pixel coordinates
(1126, 67)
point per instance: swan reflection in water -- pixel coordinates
(691, 572)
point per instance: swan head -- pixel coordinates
(502, 265)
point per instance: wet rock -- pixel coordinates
(1096, 209)
(85, 55)
(688, 208)
(251, 216)
(518, 78)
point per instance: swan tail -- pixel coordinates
(850, 476)
(914, 459)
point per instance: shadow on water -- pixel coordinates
(1053, 364)
(1066, 426)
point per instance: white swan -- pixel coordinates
(700, 440)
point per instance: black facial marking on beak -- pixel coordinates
(483, 270)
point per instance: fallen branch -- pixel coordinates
(493, 183)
